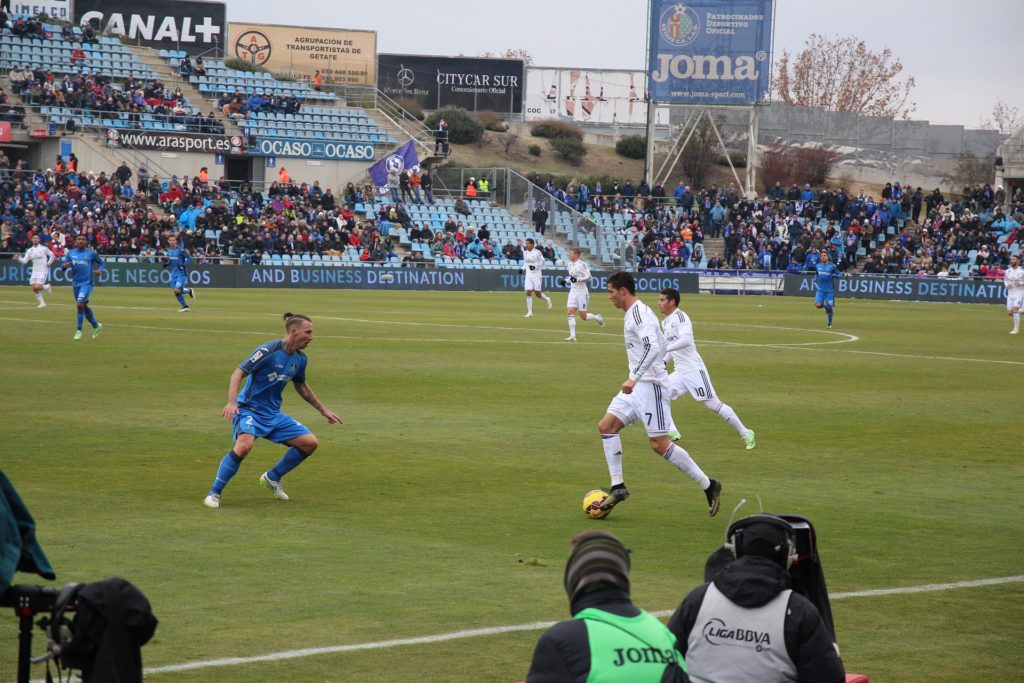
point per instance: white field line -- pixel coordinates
(513, 628)
(805, 346)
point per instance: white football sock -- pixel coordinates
(678, 456)
(613, 456)
(572, 326)
(546, 298)
(1016, 322)
(595, 317)
(529, 304)
(728, 414)
(39, 297)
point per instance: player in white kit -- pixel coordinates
(41, 259)
(689, 374)
(533, 267)
(643, 397)
(1014, 281)
(579, 295)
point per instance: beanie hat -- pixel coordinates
(596, 559)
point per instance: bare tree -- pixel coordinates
(701, 152)
(971, 170)
(842, 74)
(1005, 118)
(511, 53)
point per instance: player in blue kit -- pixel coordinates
(84, 263)
(826, 294)
(256, 407)
(177, 260)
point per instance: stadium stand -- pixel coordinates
(271, 107)
(908, 232)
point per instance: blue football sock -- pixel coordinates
(81, 319)
(90, 317)
(228, 467)
(292, 458)
(181, 300)
(829, 311)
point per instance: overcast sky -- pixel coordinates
(964, 55)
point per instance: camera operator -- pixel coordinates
(747, 624)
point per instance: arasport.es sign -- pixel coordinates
(175, 142)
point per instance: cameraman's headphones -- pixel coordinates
(737, 538)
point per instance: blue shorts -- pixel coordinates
(827, 299)
(279, 429)
(179, 282)
(82, 293)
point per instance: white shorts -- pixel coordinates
(578, 300)
(39, 279)
(696, 383)
(1014, 301)
(532, 282)
(647, 404)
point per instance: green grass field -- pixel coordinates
(446, 500)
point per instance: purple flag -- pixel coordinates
(403, 158)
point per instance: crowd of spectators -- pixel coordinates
(132, 213)
(98, 94)
(102, 97)
(215, 219)
(902, 230)
(239, 105)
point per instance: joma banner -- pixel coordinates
(715, 52)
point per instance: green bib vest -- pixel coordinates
(628, 649)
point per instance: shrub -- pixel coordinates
(632, 146)
(556, 130)
(463, 127)
(534, 149)
(492, 121)
(240, 64)
(739, 160)
(571, 150)
(799, 165)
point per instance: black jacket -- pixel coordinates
(562, 654)
(752, 582)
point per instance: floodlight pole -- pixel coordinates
(649, 160)
(753, 127)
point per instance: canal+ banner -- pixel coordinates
(711, 52)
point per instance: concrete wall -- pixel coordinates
(800, 125)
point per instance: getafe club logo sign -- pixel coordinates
(679, 25)
(254, 47)
(395, 163)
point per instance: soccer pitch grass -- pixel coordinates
(446, 500)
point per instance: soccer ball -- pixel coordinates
(592, 504)
(387, 278)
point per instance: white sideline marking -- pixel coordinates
(513, 628)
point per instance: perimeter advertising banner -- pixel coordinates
(311, 149)
(340, 55)
(60, 9)
(344, 277)
(712, 52)
(175, 142)
(188, 25)
(588, 96)
(472, 83)
(904, 288)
